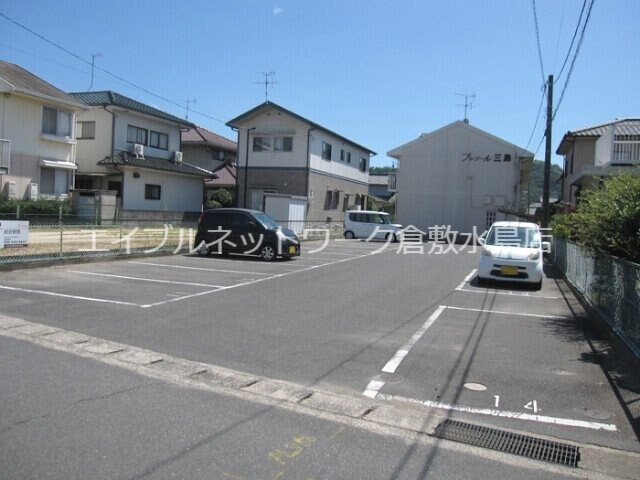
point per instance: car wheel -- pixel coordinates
(349, 235)
(538, 285)
(203, 250)
(268, 253)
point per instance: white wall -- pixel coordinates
(273, 121)
(438, 185)
(123, 119)
(89, 152)
(178, 192)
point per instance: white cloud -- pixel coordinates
(277, 10)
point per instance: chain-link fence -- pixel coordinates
(610, 284)
(57, 237)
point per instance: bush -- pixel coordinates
(35, 207)
(608, 220)
(222, 197)
(212, 204)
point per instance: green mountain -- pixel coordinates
(537, 181)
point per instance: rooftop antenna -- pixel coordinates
(189, 101)
(468, 104)
(268, 80)
(93, 61)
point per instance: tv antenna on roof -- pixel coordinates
(93, 61)
(268, 80)
(468, 104)
(189, 101)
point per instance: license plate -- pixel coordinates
(292, 250)
(509, 270)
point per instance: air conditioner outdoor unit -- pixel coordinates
(177, 157)
(32, 191)
(138, 150)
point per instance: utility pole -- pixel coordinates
(268, 80)
(93, 61)
(547, 155)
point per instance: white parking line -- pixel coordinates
(393, 364)
(63, 295)
(124, 277)
(504, 414)
(509, 292)
(373, 388)
(480, 310)
(199, 268)
(466, 279)
(243, 284)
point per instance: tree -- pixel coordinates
(607, 220)
(220, 198)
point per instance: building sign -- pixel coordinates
(14, 233)
(497, 157)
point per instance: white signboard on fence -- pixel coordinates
(14, 233)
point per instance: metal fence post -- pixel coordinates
(18, 212)
(60, 223)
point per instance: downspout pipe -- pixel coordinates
(307, 186)
(246, 166)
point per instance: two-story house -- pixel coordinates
(281, 152)
(458, 176)
(37, 136)
(206, 149)
(135, 150)
(592, 153)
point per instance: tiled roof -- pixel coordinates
(265, 105)
(27, 82)
(153, 163)
(623, 126)
(378, 179)
(226, 177)
(204, 136)
(107, 97)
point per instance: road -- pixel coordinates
(338, 364)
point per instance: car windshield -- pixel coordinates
(514, 236)
(378, 218)
(266, 221)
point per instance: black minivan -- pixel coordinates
(239, 230)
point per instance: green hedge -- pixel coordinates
(35, 207)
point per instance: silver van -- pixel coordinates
(370, 225)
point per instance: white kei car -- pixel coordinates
(512, 252)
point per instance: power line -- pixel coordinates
(535, 20)
(533, 131)
(573, 39)
(78, 57)
(575, 57)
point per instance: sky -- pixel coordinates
(379, 72)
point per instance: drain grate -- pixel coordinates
(503, 441)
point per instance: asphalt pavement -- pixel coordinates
(346, 323)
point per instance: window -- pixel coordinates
(332, 200)
(489, 219)
(136, 135)
(84, 184)
(283, 144)
(152, 192)
(363, 164)
(55, 122)
(54, 181)
(326, 151)
(348, 157)
(261, 144)
(345, 202)
(159, 140)
(506, 157)
(85, 130)
(5, 155)
(342, 154)
(217, 155)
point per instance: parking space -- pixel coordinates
(511, 357)
(155, 281)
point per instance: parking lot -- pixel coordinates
(413, 329)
